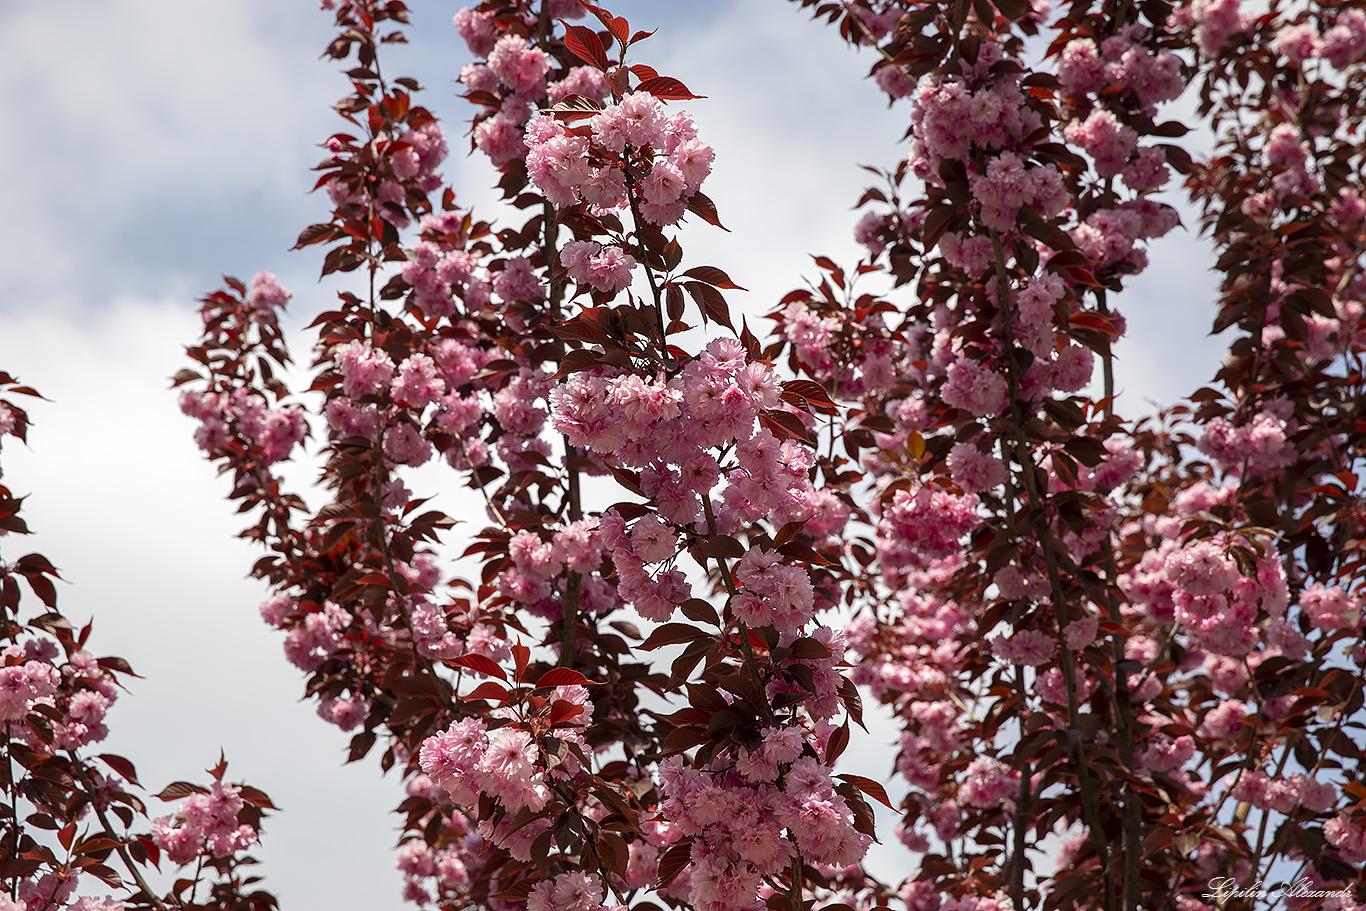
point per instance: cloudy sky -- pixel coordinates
(156, 145)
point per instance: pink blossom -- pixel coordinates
(1108, 142)
(607, 269)
(364, 368)
(1348, 836)
(1028, 647)
(586, 81)
(1080, 633)
(405, 445)
(1217, 21)
(500, 138)
(1345, 43)
(417, 384)
(1298, 42)
(973, 470)
(519, 66)
(23, 686)
(1224, 721)
(1080, 68)
(975, 388)
(266, 295)
(518, 282)
(693, 160)
(1330, 608)
(893, 80)
(986, 783)
(478, 31)
(643, 120)
(1316, 796)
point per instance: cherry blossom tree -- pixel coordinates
(1123, 652)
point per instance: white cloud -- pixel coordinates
(137, 523)
(143, 123)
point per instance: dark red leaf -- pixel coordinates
(810, 392)
(784, 426)
(122, 766)
(585, 44)
(488, 690)
(869, 787)
(711, 302)
(667, 88)
(562, 676)
(178, 789)
(671, 634)
(481, 663)
(673, 862)
(714, 277)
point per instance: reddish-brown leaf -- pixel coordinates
(481, 663)
(563, 676)
(585, 44)
(667, 88)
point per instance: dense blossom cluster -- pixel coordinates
(590, 164)
(205, 824)
(748, 819)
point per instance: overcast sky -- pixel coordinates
(155, 145)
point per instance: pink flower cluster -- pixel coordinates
(1257, 448)
(640, 422)
(577, 891)
(649, 540)
(1108, 142)
(1330, 608)
(775, 594)
(987, 784)
(584, 81)
(80, 690)
(317, 636)
(1216, 21)
(1010, 182)
(1200, 587)
(24, 684)
(811, 337)
(515, 72)
(467, 760)
(747, 819)
(608, 269)
(205, 826)
(272, 432)
(1288, 157)
(951, 116)
(921, 525)
(1153, 77)
(587, 163)
(1344, 43)
(1348, 835)
(265, 296)
(1029, 647)
(537, 562)
(1283, 795)
(414, 156)
(1111, 236)
(441, 271)
(974, 470)
(450, 868)
(974, 387)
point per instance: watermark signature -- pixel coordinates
(1225, 888)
